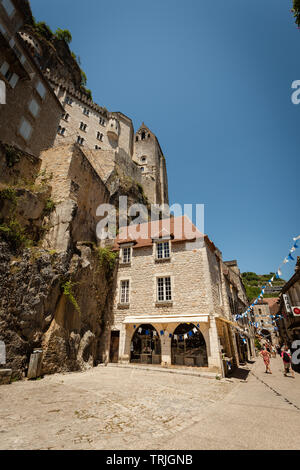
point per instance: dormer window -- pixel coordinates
(126, 255)
(163, 250)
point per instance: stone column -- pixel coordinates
(166, 349)
(214, 359)
(124, 345)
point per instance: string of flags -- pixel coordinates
(277, 275)
(177, 337)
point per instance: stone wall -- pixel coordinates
(35, 312)
(77, 191)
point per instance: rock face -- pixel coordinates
(36, 313)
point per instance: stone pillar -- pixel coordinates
(126, 332)
(214, 358)
(166, 357)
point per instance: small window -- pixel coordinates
(34, 107)
(137, 138)
(144, 159)
(25, 129)
(124, 292)
(8, 75)
(83, 126)
(66, 116)
(97, 147)
(164, 291)
(100, 136)
(142, 169)
(69, 100)
(8, 7)
(86, 112)
(143, 135)
(41, 90)
(4, 68)
(61, 130)
(80, 140)
(163, 250)
(126, 255)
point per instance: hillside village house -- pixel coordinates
(173, 303)
(263, 313)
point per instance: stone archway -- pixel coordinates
(145, 347)
(188, 346)
(266, 334)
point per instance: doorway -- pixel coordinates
(114, 346)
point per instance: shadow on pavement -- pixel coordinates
(241, 374)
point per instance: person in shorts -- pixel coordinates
(287, 361)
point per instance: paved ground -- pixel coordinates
(115, 408)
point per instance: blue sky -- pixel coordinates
(212, 79)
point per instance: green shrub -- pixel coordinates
(64, 34)
(68, 292)
(107, 260)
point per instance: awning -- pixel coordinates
(194, 318)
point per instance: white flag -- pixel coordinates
(140, 330)
(292, 249)
(285, 260)
(175, 337)
(185, 336)
(154, 333)
(296, 238)
(195, 330)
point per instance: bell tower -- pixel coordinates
(148, 155)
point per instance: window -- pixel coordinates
(144, 159)
(66, 116)
(143, 135)
(25, 129)
(163, 250)
(34, 107)
(124, 292)
(80, 140)
(8, 7)
(100, 136)
(41, 90)
(126, 255)
(61, 130)
(137, 138)
(102, 122)
(142, 169)
(86, 112)
(69, 100)
(83, 126)
(4, 68)
(97, 147)
(164, 292)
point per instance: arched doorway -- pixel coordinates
(188, 346)
(266, 335)
(145, 345)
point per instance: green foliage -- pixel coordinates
(107, 260)
(9, 194)
(64, 34)
(49, 207)
(83, 78)
(253, 283)
(12, 155)
(257, 344)
(296, 11)
(14, 234)
(67, 288)
(44, 30)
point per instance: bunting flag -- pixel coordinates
(140, 330)
(175, 337)
(296, 238)
(185, 336)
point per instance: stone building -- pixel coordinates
(30, 117)
(289, 326)
(262, 313)
(171, 304)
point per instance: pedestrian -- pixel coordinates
(287, 362)
(274, 352)
(266, 358)
(278, 347)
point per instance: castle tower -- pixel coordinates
(148, 155)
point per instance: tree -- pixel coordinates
(296, 11)
(64, 34)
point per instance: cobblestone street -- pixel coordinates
(116, 408)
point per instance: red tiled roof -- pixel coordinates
(179, 229)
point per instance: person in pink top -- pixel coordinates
(287, 361)
(266, 357)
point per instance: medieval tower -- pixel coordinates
(148, 155)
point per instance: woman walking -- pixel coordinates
(266, 358)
